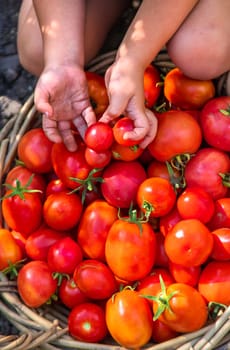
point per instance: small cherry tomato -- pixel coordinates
(35, 283)
(64, 255)
(121, 126)
(152, 86)
(99, 136)
(221, 245)
(86, 322)
(95, 279)
(70, 294)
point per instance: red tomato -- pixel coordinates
(93, 228)
(24, 176)
(10, 251)
(86, 322)
(214, 282)
(214, 121)
(121, 126)
(22, 211)
(34, 150)
(129, 319)
(70, 294)
(130, 249)
(221, 246)
(54, 186)
(183, 274)
(205, 168)
(161, 332)
(150, 284)
(68, 165)
(156, 195)
(120, 182)
(184, 308)
(64, 255)
(99, 136)
(98, 159)
(178, 132)
(97, 92)
(221, 216)
(35, 283)
(62, 211)
(162, 259)
(39, 241)
(126, 153)
(95, 279)
(167, 221)
(195, 203)
(189, 243)
(152, 86)
(185, 92)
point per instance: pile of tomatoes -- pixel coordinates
(134, 242)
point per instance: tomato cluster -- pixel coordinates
(134, 242)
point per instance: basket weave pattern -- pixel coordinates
(46, 328)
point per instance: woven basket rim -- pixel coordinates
(50, 331)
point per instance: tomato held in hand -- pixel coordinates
(87, 323)
(187, 93)
(215, 122)
(189, 243)
(35, 283)
(129, 319)
(121, 126)
(97, 92)
(99, 136)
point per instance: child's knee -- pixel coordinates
(30, 56)
(200, 59)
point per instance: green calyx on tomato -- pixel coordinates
(88, 184)
(19, 190)
(226, 111)
(12, 269)
(133, 217)
(162, 299)
(225, 179)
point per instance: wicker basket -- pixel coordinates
(46, 328)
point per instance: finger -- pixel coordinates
(89, 115)
(64, 128)
(117, 106)
(141, 127)
(153, 123)
(41, 101)
(50, 129)
(81, 126)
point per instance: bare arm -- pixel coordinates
(154, 24)
(62, 26)
(61, 93)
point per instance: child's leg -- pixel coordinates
(201, 46)
(101, 15)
